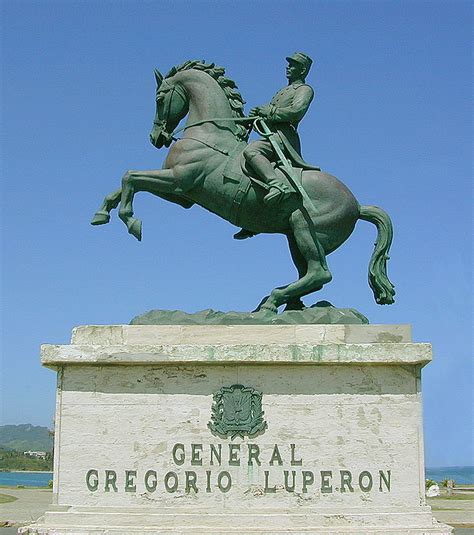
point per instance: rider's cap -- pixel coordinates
(301, 58)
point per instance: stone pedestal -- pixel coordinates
(159, 430)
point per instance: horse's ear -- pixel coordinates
(158, 77)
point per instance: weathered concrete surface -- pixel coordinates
(232, 344)
(106, 335)
(32, 503)
(337, 400)
(367, 354)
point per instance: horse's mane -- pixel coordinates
(227, 85)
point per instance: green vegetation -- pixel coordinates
(6, 498)
(455, 496)
(26, 437)
(16, 461)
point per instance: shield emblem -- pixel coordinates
(237, 410)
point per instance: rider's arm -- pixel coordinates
(295, 111)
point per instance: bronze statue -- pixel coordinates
(264, 187)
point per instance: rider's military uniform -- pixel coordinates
(282, 116)
(287, 108)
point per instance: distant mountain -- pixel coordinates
(25, 437)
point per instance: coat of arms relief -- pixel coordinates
(237, 411)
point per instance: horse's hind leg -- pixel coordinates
(102, 216)
(316, 274)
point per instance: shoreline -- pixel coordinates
(21, 487)
(26, 471)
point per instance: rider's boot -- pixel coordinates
(263, 167)
(277, 193)
(243, 234)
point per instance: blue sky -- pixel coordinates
(391, 119)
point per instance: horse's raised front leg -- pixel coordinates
(153, 181)
(102, 216)
(315, 276)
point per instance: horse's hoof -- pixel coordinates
(269, 307)
(294, 305)
(257, 309)
(100, 218)
(135, 228)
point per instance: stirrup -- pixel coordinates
(275, 195)
(273, 183)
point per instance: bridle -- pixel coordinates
(182, 93)
(163, 122)
(252, 121)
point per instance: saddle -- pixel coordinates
(237, 170)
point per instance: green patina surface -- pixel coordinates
(322, 313)
(237, 411)
(264, 186)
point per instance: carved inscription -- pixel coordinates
(195, 468)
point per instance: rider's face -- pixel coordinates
(294, 70)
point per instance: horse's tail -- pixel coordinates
(378, 279)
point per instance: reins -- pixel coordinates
(213, 120)
(197, 123)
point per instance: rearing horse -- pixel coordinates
(193, 173)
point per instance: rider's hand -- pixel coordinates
(264, 111)
(255, 112)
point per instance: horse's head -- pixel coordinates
(171, 106)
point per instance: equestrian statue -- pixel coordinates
(264, 186)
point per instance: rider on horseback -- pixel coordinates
(282, 115)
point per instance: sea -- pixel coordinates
(462, 475)
(25, 479)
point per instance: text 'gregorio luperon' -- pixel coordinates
(196, 468)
